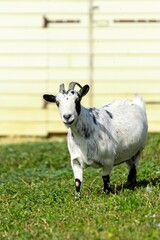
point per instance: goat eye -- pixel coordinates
(57, 103)
(72, 92)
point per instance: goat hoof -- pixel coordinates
(77, 196)
(106, 192)
(110, 191)
(130, 186)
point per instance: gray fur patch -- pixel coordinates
(92, 111)
(110, 114)
(86, 132)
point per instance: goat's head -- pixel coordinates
(68, 101)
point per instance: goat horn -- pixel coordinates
(73, 84)
(61, 88)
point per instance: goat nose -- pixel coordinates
(67, 116)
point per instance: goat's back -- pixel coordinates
(129, 123)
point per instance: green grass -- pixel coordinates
(37, 196)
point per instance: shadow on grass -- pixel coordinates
(141, 183)
(145, 182)
(119, 188)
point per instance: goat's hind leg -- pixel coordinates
(106, 177)
(132, 165)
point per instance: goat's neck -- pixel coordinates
(83, 122)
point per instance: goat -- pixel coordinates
(102, 137)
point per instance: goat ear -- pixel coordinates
(84, 90)
(49, 98)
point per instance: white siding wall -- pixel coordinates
(34, 60)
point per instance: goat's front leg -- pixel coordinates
(106, 182)
(78, 176)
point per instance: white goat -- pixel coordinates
(102, 137)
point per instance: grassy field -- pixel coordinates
(37, 196)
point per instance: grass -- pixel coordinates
(37, 196)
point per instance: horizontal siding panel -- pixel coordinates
(32, 20)
(101, 99)
(22, 74)
(154, 127)
(22, 61)
(58, 61)
(127, 61)
(24, 47)
(44, 61)
(127, 47)
(30, 101)
(22, 87)
(55, 124)
(23, 6)
(53, 114)
(153, 113)
(21, 21)
(81, 75)
(44, 34)
(126, 33)
(68, 20)
(81, 16)
(43, 47)
(127, 6)
(70, 47)
(44, 7)
(23, 129)
(34, 61)
(127, 74)
(56, 127)
(132, 18)
(22, 115)
(128, 87)
(80, 61)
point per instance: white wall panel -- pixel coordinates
(123, 59)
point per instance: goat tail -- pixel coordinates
(139, 101)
